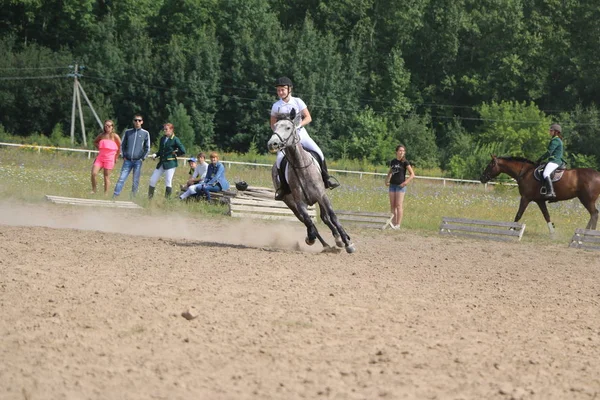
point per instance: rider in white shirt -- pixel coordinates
(282, 108)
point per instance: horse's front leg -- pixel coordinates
(522, 207)
(326, 208)
(544, 209)
(311, 230)
(327, 221)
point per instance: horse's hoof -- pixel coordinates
(338, 241)
(309, 242)
(350, 248)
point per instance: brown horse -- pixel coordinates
(583, 183)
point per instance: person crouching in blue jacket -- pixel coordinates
(215, 180)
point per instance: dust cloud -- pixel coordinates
(250, 233)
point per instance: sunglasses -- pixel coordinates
(137, 119)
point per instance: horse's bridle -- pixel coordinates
(295, 139)
(486, 174)
(488, 177)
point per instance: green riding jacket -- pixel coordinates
(555, 151)
(168, 150)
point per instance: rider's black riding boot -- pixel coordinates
(329, 183)
(168, 191)
(549, 188)
(150, 192)
(283, 188)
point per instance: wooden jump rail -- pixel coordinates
(491, 230)
(91, 202)
(263, 209)
(585, 239)
(365, 219)
(257, 202)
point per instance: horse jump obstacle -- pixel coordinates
(585, 239)
(493, 230)
(241, 207)
(91, 202)
(262, 199)
(366, 219)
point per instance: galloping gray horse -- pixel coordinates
(306, 184)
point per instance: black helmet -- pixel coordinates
(283, 81)
(241, 185)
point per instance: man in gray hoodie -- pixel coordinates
(135, 146)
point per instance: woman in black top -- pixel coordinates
(396, 180)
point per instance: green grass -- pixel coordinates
(28, 175)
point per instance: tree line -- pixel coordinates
(453, 80)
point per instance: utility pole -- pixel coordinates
(77, 92)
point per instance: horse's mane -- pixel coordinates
(283, 116)
(521, 159)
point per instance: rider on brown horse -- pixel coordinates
(554, 155)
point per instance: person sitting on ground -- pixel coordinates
(193, 187)
(193, 163)
(282, 108)
(214, 181)
(198, 168)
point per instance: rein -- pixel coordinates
(520, 175)
(295, 140)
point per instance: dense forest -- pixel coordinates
(454, 80)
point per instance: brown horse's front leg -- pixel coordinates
(544, 209)
(522, 207)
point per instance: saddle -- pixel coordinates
(554, 176)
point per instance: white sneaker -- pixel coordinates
(395, 227)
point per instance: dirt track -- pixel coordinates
(92, 300)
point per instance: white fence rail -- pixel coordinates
(229, 163)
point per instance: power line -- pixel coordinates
(30, 68)
(255, 99)
(17, 78)
(241, 88)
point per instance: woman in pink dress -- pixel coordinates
(108, 144)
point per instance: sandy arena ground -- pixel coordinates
(91, 304)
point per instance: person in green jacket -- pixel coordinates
(168, 149)
(554, 154)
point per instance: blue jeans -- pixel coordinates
(128, 165)
(207, 189)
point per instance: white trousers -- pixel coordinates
(160, 171)
(306, 142)
(550, 167)
(192, 190)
